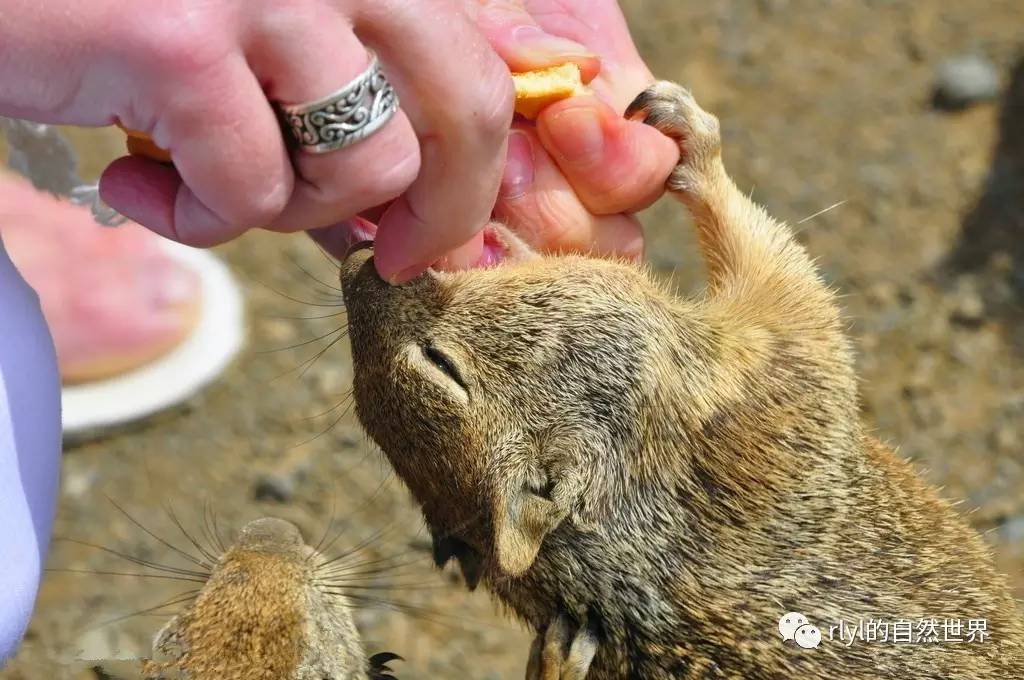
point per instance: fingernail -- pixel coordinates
(518, 175)
(533, 39)
(577, 134)
(406, 275)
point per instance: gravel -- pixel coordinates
(965, 80)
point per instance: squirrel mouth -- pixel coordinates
(361, 232)
(494, 251)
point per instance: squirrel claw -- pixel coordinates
(672, 110)
(379, 669)
(558, 653)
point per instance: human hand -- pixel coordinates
(573, 180)
(198, 78)
(574, 177)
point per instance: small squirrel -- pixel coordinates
(266, 612)
(652, 483)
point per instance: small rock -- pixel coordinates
(965, 80)
(969, 308)
(1013, 530)
(1005, 440)
(274, 486)
(78, 483)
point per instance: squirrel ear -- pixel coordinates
(522, 520)
(506, 245)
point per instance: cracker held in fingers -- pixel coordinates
(537, 89)
(141, 144)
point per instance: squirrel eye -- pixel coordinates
(444, 363)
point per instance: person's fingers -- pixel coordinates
(465, 256)
(524, 45)
(231, 171)
(537, 202)
(600, 26)
(615, 165)
(144, 191)
(458, 94)
(338, 184)
(338, 238)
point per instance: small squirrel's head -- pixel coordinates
(264, 611)
(270, 535)
(498, 394)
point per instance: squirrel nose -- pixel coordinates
(270, 533)
(357, 259)
(359, 245)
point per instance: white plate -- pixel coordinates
(180, 373)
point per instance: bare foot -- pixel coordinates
(112, 297)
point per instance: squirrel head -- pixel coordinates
(497, 394)
(263, 612)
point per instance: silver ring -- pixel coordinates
(346, 116)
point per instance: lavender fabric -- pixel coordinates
(30, 447)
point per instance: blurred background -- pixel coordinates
(908, 115)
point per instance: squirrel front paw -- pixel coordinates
(562, 651)
(672, 110)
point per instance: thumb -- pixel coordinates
(613, 164)
(524, 45)
(542, 209)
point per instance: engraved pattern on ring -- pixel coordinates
(345, 117)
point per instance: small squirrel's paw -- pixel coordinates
(672, 110)
(379, 669)
(562, 651)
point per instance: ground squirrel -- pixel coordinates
(652, 482)
(268, 611)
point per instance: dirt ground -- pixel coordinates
(820, 103)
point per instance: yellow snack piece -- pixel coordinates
(140, 144)
(537, 89)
